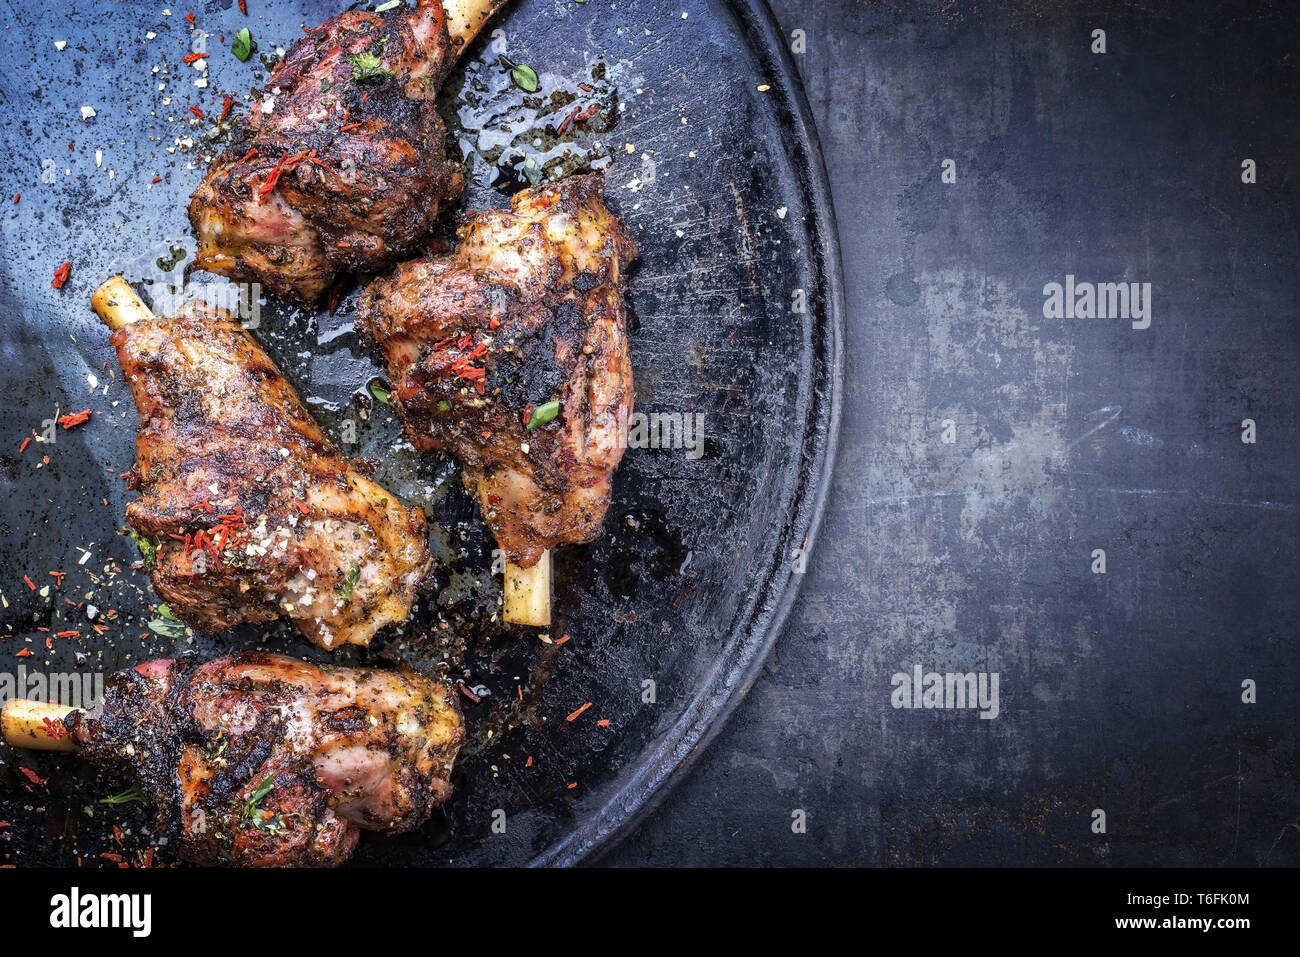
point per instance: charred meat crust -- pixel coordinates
(254, 514)
(257, 759)
(354, 99)
(532, 297)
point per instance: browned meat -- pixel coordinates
(255, 516)
(258, 759)
(527, 313)
(341, 164)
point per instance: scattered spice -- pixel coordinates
(193, 57)
(73, 419)
(32, 776)
(61, 275)
(578, 713)
(226, 103)
(54, 728)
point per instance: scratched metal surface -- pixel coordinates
(694, 571)
(1120, 692)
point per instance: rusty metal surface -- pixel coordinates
(721, 187)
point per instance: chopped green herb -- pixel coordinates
(532, 172)
(380, 393)
(166, 612)
(349, 584)
(242, 45)
(523, 76)
(254, 802)
(544, 413)
(367, 66)
(168, 629)
(148, 549)
(444, 405)
(390, 5)
(133, 793)
(325, 84)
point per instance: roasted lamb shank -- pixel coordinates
(257, 759)
(247, 511)
(340, 165)
(512, 355)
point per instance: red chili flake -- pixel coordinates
(564, 123)
(576, 714)
(55, 729)
(61, 275)
(603, 723)
(24, 653)
(464, 689)
(58, 577)
(520, 689)
(284, 163)
(584, 87)
(226, 103)
(66, 634)
(243, 7)
(73, 419)
(17, 196)
(148, 858)
(528, 413)
(586, 114)
(72, 145)
(190, 17)
(156, 179)
(494, 323)
(302, 507)
(49, 644)
(249, 155)
(26, 442)
(529, 762)
(350, 126)
(562, 639)
(117, 835)
(364, 97)
(32, 776)
(197, 112)
(194, 57)
(29, 583)
(573, 785)
(110, 856)
(5, 824)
